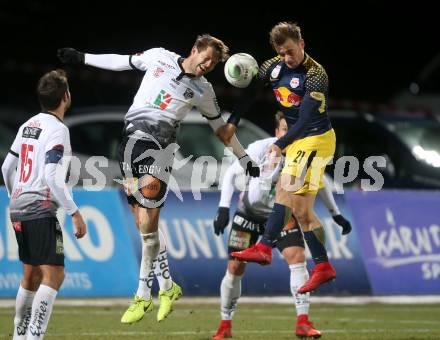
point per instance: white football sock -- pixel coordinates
(161, 267)
(41, 311)
(298, 276)
(23, 310)
(230, 292)
(150, 249)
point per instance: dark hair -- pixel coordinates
(51, 89)
(206, 40)
(283, 31)
(278, 116)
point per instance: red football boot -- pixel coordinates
(305, 329)
(322, 273)
(259, 253)
(224, 330)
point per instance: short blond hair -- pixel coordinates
(283, 31)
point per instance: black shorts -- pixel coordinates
(139, 161)
(245, 232)
(40, 241)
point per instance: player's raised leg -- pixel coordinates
(314, 234)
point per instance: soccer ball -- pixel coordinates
(240, 68)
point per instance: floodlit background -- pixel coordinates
(383, 62)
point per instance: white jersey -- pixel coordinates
(166, 93)
(259, 197)
(41, 143)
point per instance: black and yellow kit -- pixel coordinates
(302, 95)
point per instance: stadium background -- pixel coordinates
(370, 50)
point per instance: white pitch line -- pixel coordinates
(284, 300)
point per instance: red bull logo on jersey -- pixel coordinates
(287, 98)
(163, 99)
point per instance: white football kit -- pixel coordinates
(40, 154)
(166, 95)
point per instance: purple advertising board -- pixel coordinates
(198, 257)
(399, 233)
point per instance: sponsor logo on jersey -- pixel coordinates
(31, 132)
(158, 72)
(35, 123)
(166, 65)
(163, 99)
(188, 93)
(287, 98)
(294, 82)
(275, 72)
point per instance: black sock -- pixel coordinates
(277, 220)
(316, 242)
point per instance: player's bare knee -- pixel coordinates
(148, 220)
(36, 279)
(28, 283)
(32, 277)
(294, 255)
(152, 241)
(53, 276)
(144, 226)
(236, 267)
(301, 215)
(283, 197)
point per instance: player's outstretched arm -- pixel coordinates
(113, 62)
(69, 55)
(225, 133)
(245, 161)
(221, 219)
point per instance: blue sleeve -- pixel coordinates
(54, 155)
(309, 105)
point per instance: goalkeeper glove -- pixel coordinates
(251, 168)
(221, 220)
(69, 55)
(344, 223)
